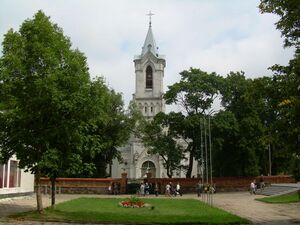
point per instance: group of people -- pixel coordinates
(254, 185)
(172, 190)
(205, 188)
(146, 188)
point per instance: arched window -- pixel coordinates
(149, 77)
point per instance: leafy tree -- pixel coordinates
(195, 93)
(225, 138)
(240, 101)
(286, 81)
(108, 129)
(44, 85)
(156, 136)
(289, 22)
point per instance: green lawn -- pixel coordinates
(281, 199)
(164, 211)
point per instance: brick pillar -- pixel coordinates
(123, 183)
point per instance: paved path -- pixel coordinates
(241, 203)
(244, 205)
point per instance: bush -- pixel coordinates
(133, 188)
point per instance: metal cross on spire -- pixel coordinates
(150, 14)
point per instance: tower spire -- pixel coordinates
(149, 44)
(150, 14)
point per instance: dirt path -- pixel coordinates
(241, 203)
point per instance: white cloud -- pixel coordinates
(218, 36)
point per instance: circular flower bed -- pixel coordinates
(133, 202)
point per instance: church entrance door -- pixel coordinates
(148, 167)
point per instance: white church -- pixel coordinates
(148, 96)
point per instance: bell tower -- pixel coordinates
(149, 74)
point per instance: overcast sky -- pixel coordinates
(213, 35)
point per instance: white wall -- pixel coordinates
(26, 185)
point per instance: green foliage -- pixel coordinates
(289, 22)
(281, 199)
(44, 94)
(160, 140)
(53, 117)
(132, 188)
(295, 166)
(195, 94)
(285, 100)
(240, 137)
(51, 108)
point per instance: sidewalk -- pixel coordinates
(240, 203)
(245, 205)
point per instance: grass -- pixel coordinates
(107, 210)
(281, 199)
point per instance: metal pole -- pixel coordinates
(206, 162)
(202, 160)
(270, 162)
(202, 157)
(210, 159)
(205, 143)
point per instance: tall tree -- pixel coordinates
(238, 99)
(109, 128)
(160, 140)
(287, 78)
(227, 158)
(195, 93)
(44, 84)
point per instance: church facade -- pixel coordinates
(148, 96)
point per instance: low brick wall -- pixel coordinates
(84, 185)
(188, 185)
(243, 183)
(222, 184)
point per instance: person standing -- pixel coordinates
(156, 188)
(142, 189)
(261, 182)
(252, 187)
(199, 188)
(178, 189)
(147, 188)
(115, 188)
(168, 190)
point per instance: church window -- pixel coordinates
(151, 109)
(149, 77)
(145, 109)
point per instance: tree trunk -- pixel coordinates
(38, 192)
(169, 172)
(53, 187)
(190, 168)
